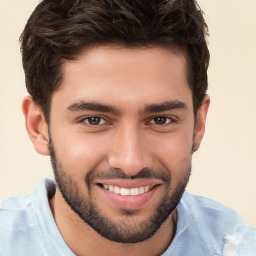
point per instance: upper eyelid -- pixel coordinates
(171, 121)
(82, 120)
(172, 117)
(107, 119)
(90, 116)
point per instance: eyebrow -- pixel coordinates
(93, 106)
(167, 105)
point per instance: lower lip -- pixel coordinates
(129, 202)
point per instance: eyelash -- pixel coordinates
(86, 120)
(102, 121)
(170, 120)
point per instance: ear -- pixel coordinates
(200, 123)
(36, 125)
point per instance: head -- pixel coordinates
(118, 99)
(61, 30)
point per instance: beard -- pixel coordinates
(125, 231)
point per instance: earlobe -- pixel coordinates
(36, 125)
(200, 122)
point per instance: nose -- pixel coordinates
(129, 150)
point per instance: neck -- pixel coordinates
(83, 240)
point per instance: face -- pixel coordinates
(121, 138)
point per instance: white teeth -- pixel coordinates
(134, 191)
(124, 191)
(106, 186)
(127, 191)
(141, 190)
(116, 190)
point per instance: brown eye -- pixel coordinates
(94, 120)
(161, 120)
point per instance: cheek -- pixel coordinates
(174, 146)
(80, 153)
(174, 153)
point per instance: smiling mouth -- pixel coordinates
(129, 195)
(127, 191)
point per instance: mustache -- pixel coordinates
(117, 173)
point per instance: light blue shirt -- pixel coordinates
(205, 228)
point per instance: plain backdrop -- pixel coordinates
(224, 167)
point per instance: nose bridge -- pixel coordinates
(128, 150)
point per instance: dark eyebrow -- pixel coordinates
(168, 105)
(93, 106)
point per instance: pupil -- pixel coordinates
(94, 120)
(160, 120)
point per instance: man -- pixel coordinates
(118, 100)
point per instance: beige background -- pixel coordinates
(223, 169)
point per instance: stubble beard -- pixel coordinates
(122, 231)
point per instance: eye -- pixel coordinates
(161, 120)
(93, 120)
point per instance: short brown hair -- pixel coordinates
(61, 29)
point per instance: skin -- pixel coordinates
(131, 81)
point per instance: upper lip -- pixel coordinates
(130, 183)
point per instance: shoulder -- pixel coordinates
(27, 226)
(220, 225)
(20, 228)
(18, 225)
(16, 210)
(211, 211)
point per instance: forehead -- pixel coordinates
(113, 74)
(109, 57)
